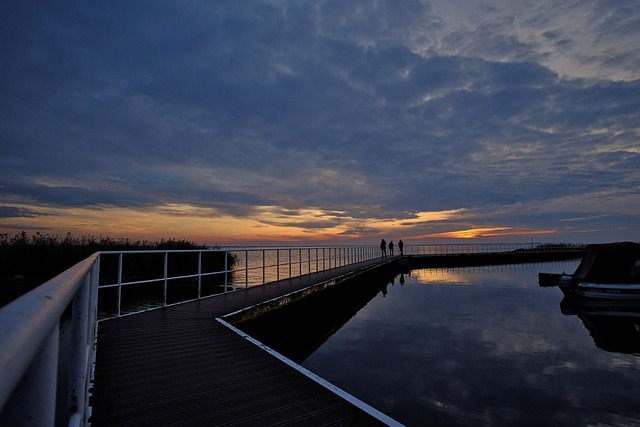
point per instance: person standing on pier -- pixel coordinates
(401, 246)
(383, 248)
(391, 248)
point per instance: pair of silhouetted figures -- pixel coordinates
(383, 247)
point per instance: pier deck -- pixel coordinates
(180, 366)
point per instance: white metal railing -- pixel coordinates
(177, 276)
(29, 326)
(259, 265)
(30, 349)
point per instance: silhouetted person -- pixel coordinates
(383, 247)
(401, 246)
(391, 247)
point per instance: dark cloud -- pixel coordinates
(330, 105)
(13, 212)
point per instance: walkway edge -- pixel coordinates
(324, 383)
(253, 311)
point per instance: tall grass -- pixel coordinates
(29, 260)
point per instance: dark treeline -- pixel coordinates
(29, 260)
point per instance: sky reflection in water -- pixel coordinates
(479, 346)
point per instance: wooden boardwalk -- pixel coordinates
(180, 366)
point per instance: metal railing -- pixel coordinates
(29, 326)
(488, 248)
(259, 265)
(177, 276)
(30, 349)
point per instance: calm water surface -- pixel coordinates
(485, 346)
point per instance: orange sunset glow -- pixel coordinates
(264, 224)
(475, 233)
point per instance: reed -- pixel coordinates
(28, 260)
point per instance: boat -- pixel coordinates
(607, 271)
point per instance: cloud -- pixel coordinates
(16, 212)
(376, 109)
(584, 39)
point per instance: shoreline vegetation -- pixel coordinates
(27, 261)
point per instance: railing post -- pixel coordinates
(120, 255)
(199, 274)
(164, 288)
(83, 338)
(226, 270)
(278, 264)
(80, 348)
(246, 269)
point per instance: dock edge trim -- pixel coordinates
(326, 384)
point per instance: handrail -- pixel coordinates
(29, 347)
(231, 267)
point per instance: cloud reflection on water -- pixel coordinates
(491, 353)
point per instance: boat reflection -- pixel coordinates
(613, 325)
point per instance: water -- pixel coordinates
(483, 347)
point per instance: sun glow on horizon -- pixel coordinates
(259, 224)
(474, 233)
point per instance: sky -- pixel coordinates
(298, 122)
